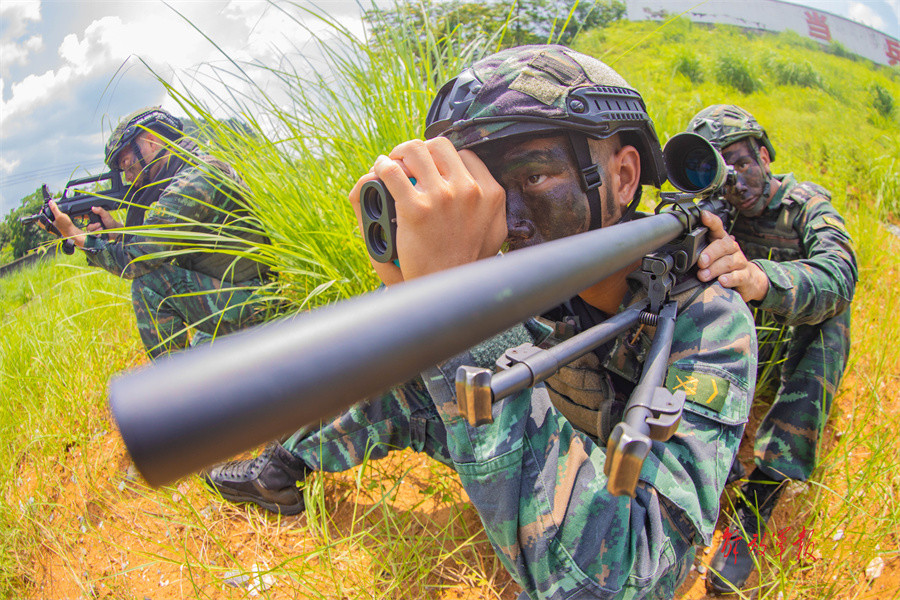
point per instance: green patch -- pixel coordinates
(831, 221)
(706, 390)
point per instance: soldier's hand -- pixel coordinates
(389, 273)
(723, 260)
(65, 226)
(453, 215)
(107, 221)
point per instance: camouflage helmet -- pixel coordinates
(725, 124)
(532, 89)
(152, 118)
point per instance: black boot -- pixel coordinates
(737, 472)
(736, 568)
(269, 480)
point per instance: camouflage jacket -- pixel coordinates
(801, 243)
(538, 482)
(196, 223)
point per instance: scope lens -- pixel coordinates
(700, 167)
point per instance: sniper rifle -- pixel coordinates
(192, 409)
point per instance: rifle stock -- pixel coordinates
(192, 409)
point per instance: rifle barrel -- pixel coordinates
(192, 409)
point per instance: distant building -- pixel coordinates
(772, 15)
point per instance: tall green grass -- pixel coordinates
(402, 527)
(64, 330)
(819, 109)
(306, 139)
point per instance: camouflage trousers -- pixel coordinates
(537, 484)
(810, 372)
(176, 308)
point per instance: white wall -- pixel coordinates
(771, 15)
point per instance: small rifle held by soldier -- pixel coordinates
(271, 380)
(79, 204)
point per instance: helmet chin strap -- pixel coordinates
(140, 156)
(590, 174)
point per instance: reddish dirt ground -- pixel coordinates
(106, 535)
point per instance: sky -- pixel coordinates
(69, 70)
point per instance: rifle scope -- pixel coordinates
(695, 166)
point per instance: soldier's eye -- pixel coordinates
(536, 179)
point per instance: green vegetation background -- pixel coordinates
(65, 328)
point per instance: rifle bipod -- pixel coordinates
(652, 411)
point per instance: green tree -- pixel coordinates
(527, 21)
(20, 237)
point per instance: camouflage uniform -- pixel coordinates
(538, 482)
(536, 474)
(802, 245)
(206, 289)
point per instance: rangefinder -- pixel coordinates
(379, 221)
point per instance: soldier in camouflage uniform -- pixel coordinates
(796, 265)
(180, 199)
(530, 145)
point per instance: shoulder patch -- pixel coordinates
(706, 390)
(832, 221)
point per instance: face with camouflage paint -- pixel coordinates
(747, 194)
(127, 161)
(544, 199)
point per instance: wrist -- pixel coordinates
(760, 283)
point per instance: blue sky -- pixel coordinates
(70, 69)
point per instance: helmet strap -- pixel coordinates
(137, 152)
(589, 173)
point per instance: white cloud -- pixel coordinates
(33, 91)
(7, 166)
(862, 13)
(17, 52)
(16, 14)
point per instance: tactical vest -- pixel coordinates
(772, 234)
(592, 391)
(220, 265)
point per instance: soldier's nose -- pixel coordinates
(520, 230)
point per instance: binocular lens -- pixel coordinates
(376, 238)
(372, 203)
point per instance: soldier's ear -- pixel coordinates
(625, 174)
(764, 156)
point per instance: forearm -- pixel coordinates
(820, 285)
(807, 291)
(118, 258)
